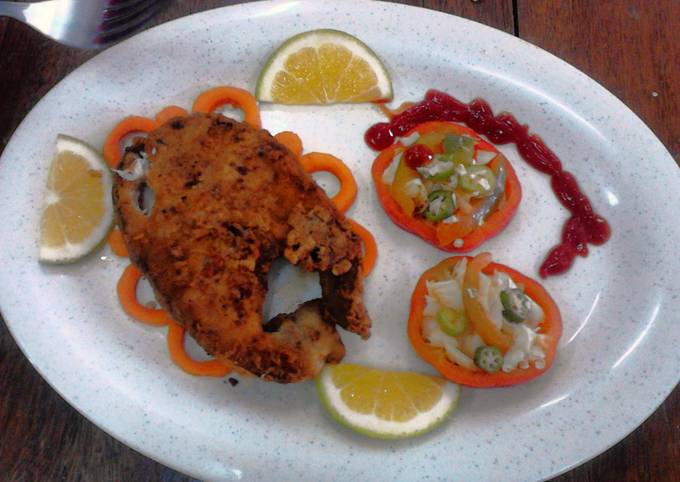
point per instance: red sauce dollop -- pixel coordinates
(582, 228)
(418, 155)
(379, 136)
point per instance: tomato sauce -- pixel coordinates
(584, 225)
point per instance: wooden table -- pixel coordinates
(632, 47)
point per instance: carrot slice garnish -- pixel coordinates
(116, 243)
(211, 99)
(208, 368)
(170, 112)
(291, 140)
(127, 295)
(112, 146)
(476, 312)
(318, 161)
(370, 246)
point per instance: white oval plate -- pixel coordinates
(618, 358)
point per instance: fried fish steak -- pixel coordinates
(227, 200)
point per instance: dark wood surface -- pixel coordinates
(632, 47)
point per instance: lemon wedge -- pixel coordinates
(323, 67)
(78, 209)
(386, 404)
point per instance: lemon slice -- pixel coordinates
(385, 404)
(323, 67)
(78, 209)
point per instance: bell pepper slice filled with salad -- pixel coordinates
(442, 182)
(483, 324)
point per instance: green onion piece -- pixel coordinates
(440, 205)
(440, 169)
(488, 358)
(516, 305)
(452, 322)
(479, 180)
(459, 149)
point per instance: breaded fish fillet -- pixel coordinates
(228, 201)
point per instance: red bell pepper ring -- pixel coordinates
(550, 327)
(493, 224)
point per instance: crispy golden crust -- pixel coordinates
(229, 200)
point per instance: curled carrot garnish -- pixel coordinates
(291, 140)
(208, 368)
(211, 99)
(370, 246)
(170, 112)
(116, 243)
(389, 113)
(127, 294)
(112, 145)
(317, 161)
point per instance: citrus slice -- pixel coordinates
(323, 67)
(385, 404)
(78, 209)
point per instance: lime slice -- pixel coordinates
(385, 404)
(78, 209)
(323, 67)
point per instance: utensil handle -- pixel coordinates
(14, 10)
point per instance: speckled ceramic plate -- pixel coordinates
(618, 358)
